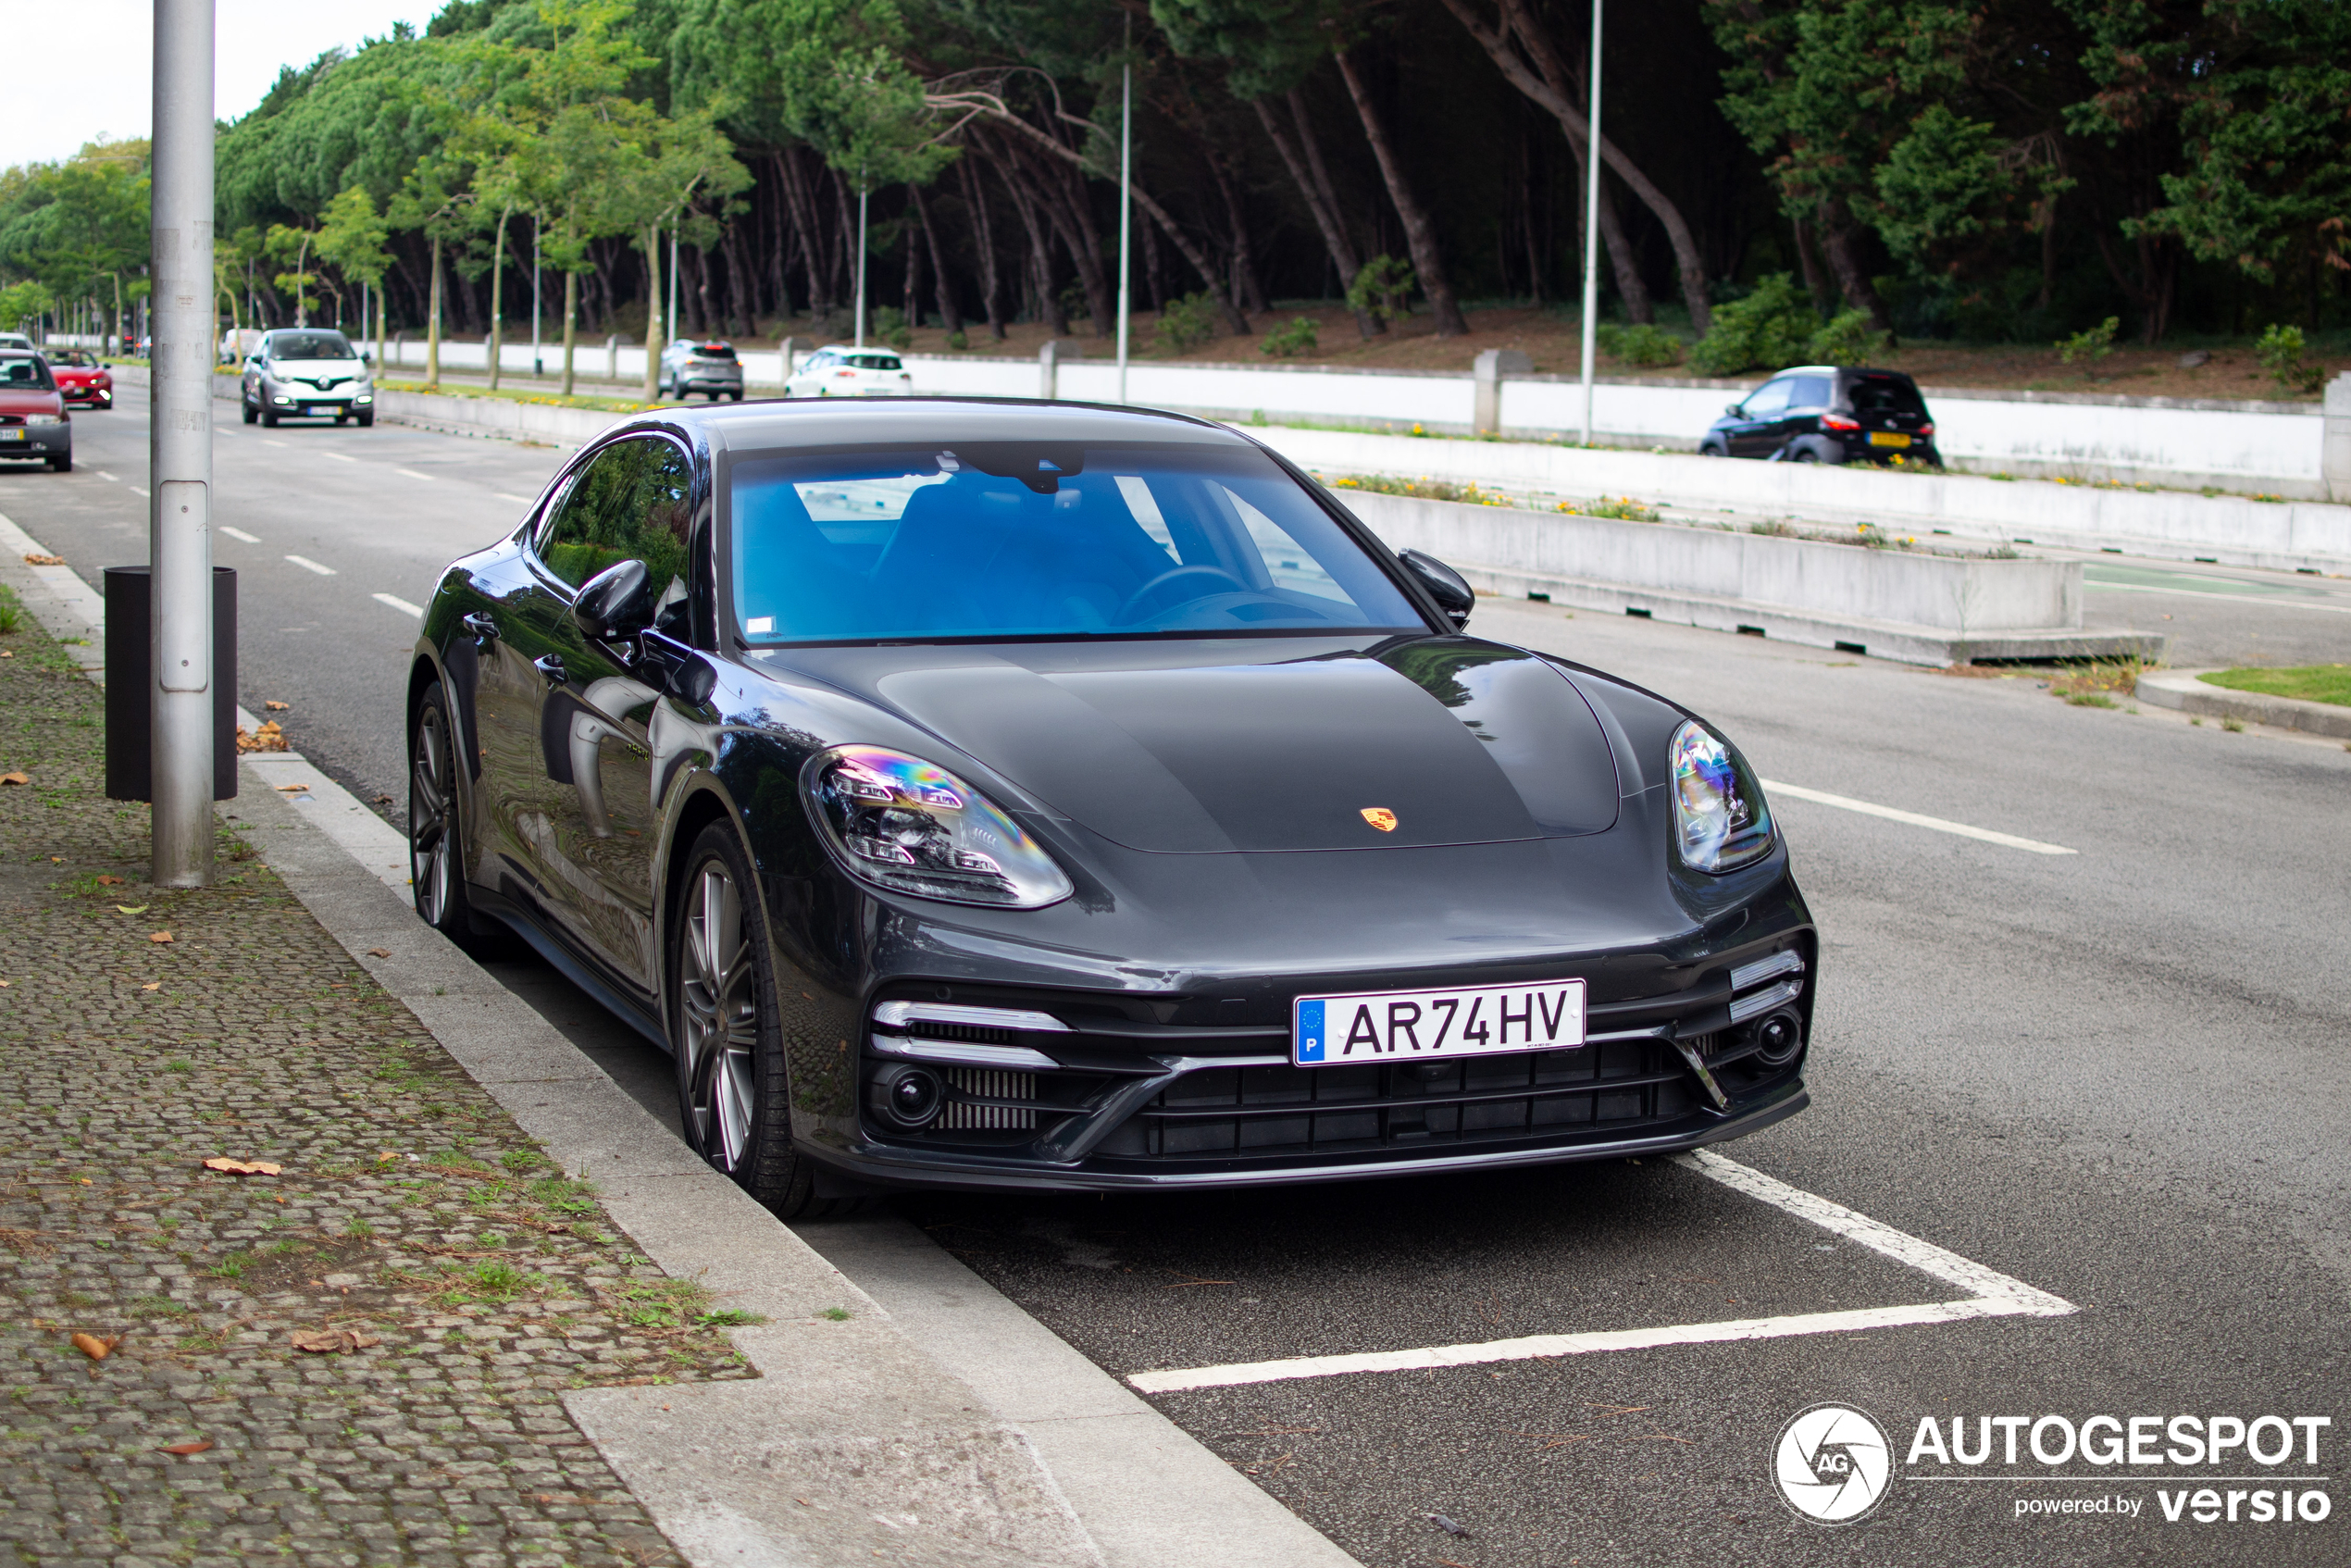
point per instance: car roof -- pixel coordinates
(921, 421)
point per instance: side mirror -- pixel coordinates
(1735, 410)
(1448, 587)
(617, 602)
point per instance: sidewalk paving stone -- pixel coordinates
(471, 1281)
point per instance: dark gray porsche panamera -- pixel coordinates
(996, 795)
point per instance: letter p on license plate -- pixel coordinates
(1414, 1026)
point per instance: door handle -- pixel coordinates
(483, 628)
(551, 666)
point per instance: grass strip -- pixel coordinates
(2311, 683)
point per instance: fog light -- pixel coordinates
(1778, 1038)
(911, 1096)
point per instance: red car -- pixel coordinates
(79, 377)
(34, 421)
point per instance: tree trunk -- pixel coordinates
(1326, 213)
(804, 231)
(1155, 277)
(990, 290)
(571, 322)
(1622, 260)
(1842, 242)
(654, 323)
(910, 304)
(432, 321)
(1813, 284)
(1247, 285)
(497, 299)
(1420, 233)
(1041, 256)
(1544, 79)
(950, 317)
(1064, 203)
(745, 296)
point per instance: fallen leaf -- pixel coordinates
(5, 984)
(95, 1348)
(184, 1449)
(380, 952)
(132, 908)
(331, 1341)
(158, 936)
(10, 653)
(111, 881)
(150, 986)
(277, 707)
(242, 1167)
(44, 560)
(268, 738)
(16, 778)
(291, 789)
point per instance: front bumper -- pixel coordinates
(31, 441)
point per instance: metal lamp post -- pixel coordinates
(1126, 203)
(861, 261)
(1592, 225)
(180, 447)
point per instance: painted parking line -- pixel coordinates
(2267, 600)
(1940, 824)
(307, 565)
(1992, 1294)
(412, 473)
(239, 534)
(399, 604)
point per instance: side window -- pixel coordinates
(632, 503)
(1768, 399)
(1808, 391)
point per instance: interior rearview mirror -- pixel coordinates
(617, 602)
(1448, 587)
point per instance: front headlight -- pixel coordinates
(1720, 820)
(44, 418)
(912, 827)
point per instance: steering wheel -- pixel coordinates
(1135, 600)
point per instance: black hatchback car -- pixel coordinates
(1001, 794)
(1827, 414)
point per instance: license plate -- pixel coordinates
(319, 408)
(1888, 438)
(12, 435)
(1415, 1025)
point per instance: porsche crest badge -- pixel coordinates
(1380, 817)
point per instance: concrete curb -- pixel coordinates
(2186, 691)
(962, 1433)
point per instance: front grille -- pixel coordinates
(983, 1082)
(1280, 1110)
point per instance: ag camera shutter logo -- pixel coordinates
(1833, 1463)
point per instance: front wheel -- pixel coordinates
(368, 420)
(734, 1094)
(61, 465)
(251, 413)
(269, 418)
(436, 844)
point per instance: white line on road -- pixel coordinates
(1845, 803)
(339, 456)
(137, 489)
(239, 533)
(518, 500)
(1996, 1296)
(414, 474)
(398, 604)
(108, 477)
(2267, 600)
(271, 440)
(307, 565)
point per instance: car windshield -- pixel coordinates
(22, 370)
(310, 345)
(1020, 541)
(1885, 394)
(72, 358)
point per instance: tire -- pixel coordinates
(368, 420)
(1709, 449)
(269, 418)
(436, 836)
(61, 465)
(1804, 455)
(734, 1094)
(251, 413)
(734, 397)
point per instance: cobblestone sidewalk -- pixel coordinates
(453, 1281)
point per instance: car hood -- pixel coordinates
(1218, 747)
(30, 401)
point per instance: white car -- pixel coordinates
(839, 371)
(16, 340)
(307, 373)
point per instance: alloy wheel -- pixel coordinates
(432, 817)
(717, 995)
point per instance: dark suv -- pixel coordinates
(1827, 414)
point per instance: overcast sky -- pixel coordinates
(78, 69)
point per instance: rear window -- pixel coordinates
(874, 361)
(1885, 394)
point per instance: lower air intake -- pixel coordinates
(968, 1084)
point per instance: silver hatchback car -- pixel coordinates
(701, 364)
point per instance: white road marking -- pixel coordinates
(339, 456)
(398, 604)
(108, 477)
(1846, 802)
(518, 500)
(1995, 1295)
(271, 440)
(239, 533)
(307, 565)
(2267, 600)
(137, 489)
(414, 474)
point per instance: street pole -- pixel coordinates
(861, 265)
(669, 323)
(179, 449)
(1592, 225)
(1126, 203)
(538, 365)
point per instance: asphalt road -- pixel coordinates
(2118, 1075)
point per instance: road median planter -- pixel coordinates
(1897, 604)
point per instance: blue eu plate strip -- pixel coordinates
(1310, 1031)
